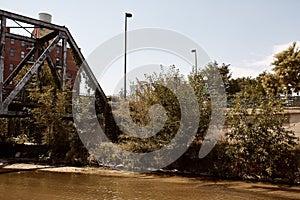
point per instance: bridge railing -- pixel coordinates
(291, 101)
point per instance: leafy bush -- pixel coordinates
(257, 146)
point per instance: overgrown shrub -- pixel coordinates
(257, 146)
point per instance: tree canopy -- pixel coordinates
(286, 76)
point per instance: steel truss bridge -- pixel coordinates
(43, 45)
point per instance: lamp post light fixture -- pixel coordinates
(127, 15)
(195, 52)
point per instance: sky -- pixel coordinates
(243, 33)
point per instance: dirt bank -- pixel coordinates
(6, 166)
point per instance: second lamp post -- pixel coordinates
(127, 15)
(195, 51)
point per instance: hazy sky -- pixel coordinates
(244, 34)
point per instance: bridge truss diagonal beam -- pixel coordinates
(2, 54)
(19, 67)
(84, 64)
(29, 74)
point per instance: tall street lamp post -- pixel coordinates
(195, 52)
(127, 15)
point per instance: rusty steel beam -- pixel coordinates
(13, 114)
(23, 28)
(29, 74)
(2, 55)
(44, 39)
(32, 21)
(17, 27)
(20, 37)
(84, 64)
(64, 63)
(19, 67)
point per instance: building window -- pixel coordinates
(22, 54)
(12, 41)
(12, 52)
(30, 45)
(57, 61)
(32, 58)
(23, 43)
(11, 66)
(57, 49)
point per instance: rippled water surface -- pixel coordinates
(42, 185)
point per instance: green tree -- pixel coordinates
(225, 73)
(258, 144)
(238, 85)
(148, 93)
(287, 69)
(270, 83)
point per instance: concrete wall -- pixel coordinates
(293, 120)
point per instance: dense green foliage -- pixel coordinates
(156, 90)
(255, 144)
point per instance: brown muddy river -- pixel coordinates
(45, 185)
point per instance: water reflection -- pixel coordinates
(42, 185)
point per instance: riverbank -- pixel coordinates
(8, 166)
(14, 165)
